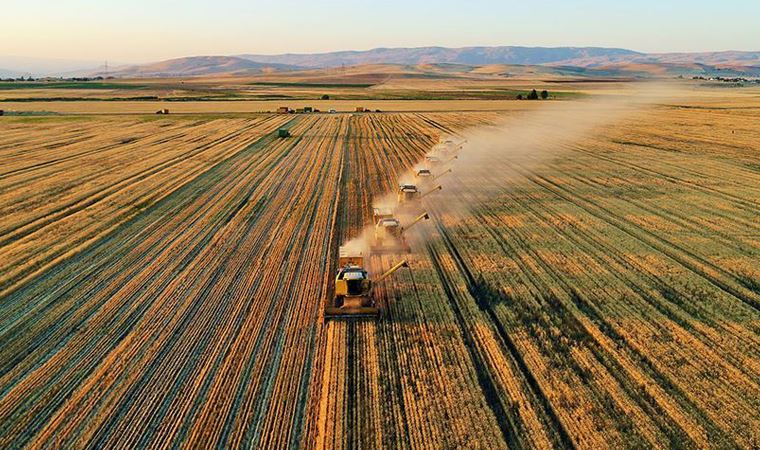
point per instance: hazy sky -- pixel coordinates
(147, 30)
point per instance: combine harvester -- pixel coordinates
(424, 173)
(408, 193)
(353, 288)
(389, 235)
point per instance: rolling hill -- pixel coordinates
(573, 61)
(200, 65)
(473, 56)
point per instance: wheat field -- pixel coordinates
(162, 281)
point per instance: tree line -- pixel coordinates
(534, 95)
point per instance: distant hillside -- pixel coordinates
(579, 61)
(613, 61)
(199, 65)
(473, 56)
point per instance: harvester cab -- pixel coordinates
(407, 193)
(388, 237)
(424, 173)
(449, 147)
(381, 213)
(388, 228)
(353, 287)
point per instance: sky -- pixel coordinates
(132, 31)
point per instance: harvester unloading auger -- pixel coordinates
(435, 160)
(435, 189)
(440, 175)
(353, 287)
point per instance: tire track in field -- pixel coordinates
(719, 277)
(233, 162)
(669, 176)
(25, 228)
(106, 192)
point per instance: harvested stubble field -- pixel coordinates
(162, 282)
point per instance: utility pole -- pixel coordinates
(106, 68)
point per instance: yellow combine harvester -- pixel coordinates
(424, 173)
(409, 192)
(448, 146)
(353, 287)
(389, 235)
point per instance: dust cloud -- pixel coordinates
(481, 162)
(492, 158)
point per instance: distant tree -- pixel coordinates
(519, 96)
(325, 97)
(533, 95)
(544, 95)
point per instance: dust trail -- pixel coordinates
(490, 156)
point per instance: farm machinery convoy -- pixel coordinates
(353, 289)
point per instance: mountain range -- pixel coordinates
(610, 61)
(593, 60)
(475, 56)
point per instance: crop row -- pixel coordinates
(165, 281)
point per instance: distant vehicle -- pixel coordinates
(332, 111)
